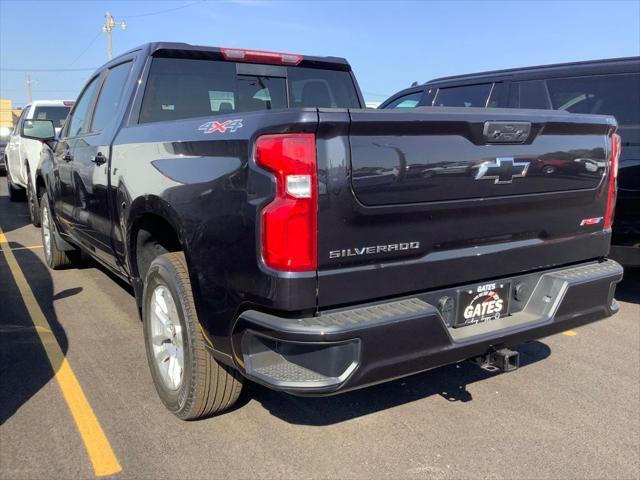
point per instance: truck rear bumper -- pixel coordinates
(345, 349)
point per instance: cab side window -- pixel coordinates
(80, 113)
(406, 101)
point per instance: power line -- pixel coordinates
(163, 11)
(86, 49)
(47, 69)
(37, 90)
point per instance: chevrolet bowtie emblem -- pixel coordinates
(503, 170)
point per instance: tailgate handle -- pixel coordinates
(506, 132)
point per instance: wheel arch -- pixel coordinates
(40, 185)
(152, 226)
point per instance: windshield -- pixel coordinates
(185, 88)
(56, 114)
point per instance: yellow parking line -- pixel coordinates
(570, 333)
(95, 441)
(29, 247)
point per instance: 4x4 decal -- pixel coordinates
(222, 127)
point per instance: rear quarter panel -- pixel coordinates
(207, 186)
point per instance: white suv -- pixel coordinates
(22, 155)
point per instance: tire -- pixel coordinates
(16, 194)
(32, 200)
(202, 386)
(55, 258)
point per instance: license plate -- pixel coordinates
(482, 303)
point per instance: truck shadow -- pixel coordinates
(450, 382)
(24, 365)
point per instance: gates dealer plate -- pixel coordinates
(482, 303)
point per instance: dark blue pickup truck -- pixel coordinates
(609, 86)
(275, 230)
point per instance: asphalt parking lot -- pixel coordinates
(571, 411)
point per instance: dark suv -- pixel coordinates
(609, 87)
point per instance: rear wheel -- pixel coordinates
(190, 382)
(54, 256)
(34, 208)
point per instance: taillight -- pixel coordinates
(289, 222)
(616, 148)
(260, 56)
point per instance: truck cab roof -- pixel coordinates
(186, 50)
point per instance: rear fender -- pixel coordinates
(148, 204)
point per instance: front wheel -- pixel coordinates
(190, 382)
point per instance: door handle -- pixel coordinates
(99, 159)
(66, 156)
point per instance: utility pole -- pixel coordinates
(29, 94)
(109, 25)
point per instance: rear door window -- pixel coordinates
(617, 95)
(463, 96)
(407, 101)
(110, 96)
(184, 88)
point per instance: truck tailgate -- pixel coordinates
(443, 196)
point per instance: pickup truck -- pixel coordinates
(21, 155)
(275, 230)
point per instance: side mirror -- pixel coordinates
(42, 130)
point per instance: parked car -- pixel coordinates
(22, 154)
(236, 191)
(610, 87)
(3, 161)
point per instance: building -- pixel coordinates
(6, 118)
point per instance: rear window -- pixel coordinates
(617, 95)
(312, 87)
(464, 96)
(186, 88)
(56, 114)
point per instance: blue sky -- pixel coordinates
(389, 44)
